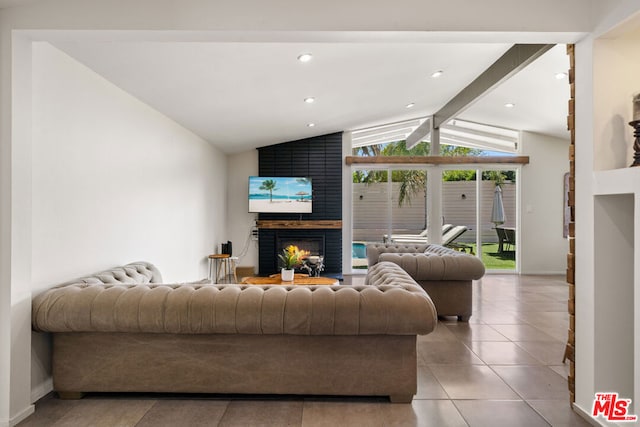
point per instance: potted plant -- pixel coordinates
(290, 258)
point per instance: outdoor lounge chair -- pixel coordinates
(448, 239)
(506, 236)
(419, 237)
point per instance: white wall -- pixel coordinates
(16, 247)
(241, 166)
(615, 84)
(114, 181)
(5, 223)
(543, 248)
(585, 247)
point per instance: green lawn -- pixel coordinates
(490, 257)
(496, 261)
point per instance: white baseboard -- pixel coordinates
(587, 416)
(41, 390)
(22, 415)
(37, 393)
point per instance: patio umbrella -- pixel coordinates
(497, 210)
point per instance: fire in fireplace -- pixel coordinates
(315, 247)
(325, 243)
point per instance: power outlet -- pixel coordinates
(254, 233)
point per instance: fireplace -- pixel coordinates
(326, 243)
(315, 245)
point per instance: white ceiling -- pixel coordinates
(541, 100)
(244, 95)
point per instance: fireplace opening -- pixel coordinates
(325, 243)
(313, 244)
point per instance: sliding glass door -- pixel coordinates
(371, 211)
(460, 210)
(498, 219)
(477, 208)
(486, 209)
(388, 205)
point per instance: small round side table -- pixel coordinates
(218, 263)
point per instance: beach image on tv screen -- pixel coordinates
(278, 194)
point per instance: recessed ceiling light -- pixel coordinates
(305, 57)
(437, 74)
(410, 105)
(310, 125)
(310, 100)
(561, 76)
(509, 105)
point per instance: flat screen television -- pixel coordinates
(280, 194)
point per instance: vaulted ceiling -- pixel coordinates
(229, 72)
(240, 95)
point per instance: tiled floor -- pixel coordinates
(503, 368)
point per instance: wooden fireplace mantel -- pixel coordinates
(302, 224)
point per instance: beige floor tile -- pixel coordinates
(524, 333)
(472, 382)
(544, 306)
(558, 333)
(548, 353)
(186, 412)
(558, 413)
(440, 333)
(533, 297)
(499, 413)
(428, 386)
(263, 413)
(331, 414)
(49, 410)
(498, 318)
(92, 412)
(502, 353)
(533, 382)
(546, 319)
(422, 413)
(469, 332)
(447, 352)
(562, 370)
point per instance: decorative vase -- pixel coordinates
(287, 275)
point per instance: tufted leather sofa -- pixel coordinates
(122, 330)
(445, 274)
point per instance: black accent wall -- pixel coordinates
(318, 158)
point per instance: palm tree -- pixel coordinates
(270, 185)
(412, 182)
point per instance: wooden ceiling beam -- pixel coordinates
(437, 160)
(510, 63)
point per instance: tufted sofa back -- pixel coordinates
(140, 272)
(427, 262)
(391, 304)
(430, 266)
(374, 250)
